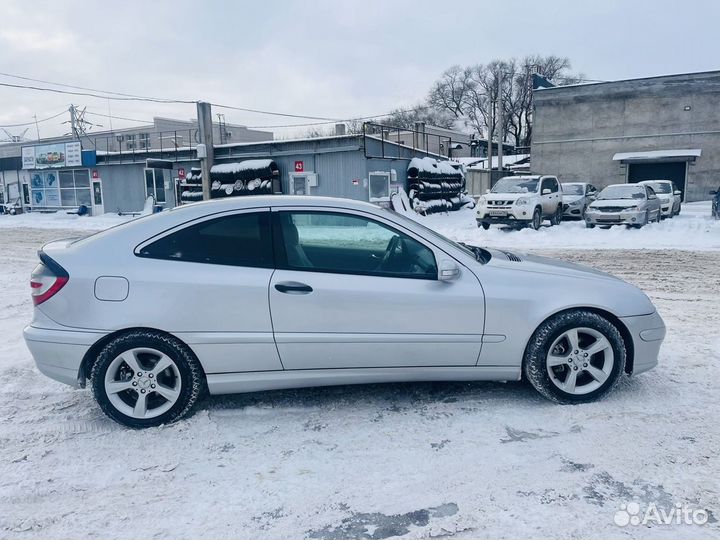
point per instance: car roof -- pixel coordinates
(255, 201)
(649, 181)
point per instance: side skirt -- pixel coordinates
(233, 383)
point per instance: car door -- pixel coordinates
(207, 283)
(354, 290)
(549, 195)
(653, 203)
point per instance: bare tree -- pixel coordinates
(406, 118)
(469, 94)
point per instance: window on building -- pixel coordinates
(67, 188)
(155, 184)
(379, 184)
(237, 240)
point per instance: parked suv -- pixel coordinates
(670, 198)
(521, 201)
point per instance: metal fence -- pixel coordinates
(395, 141)
(124, 147)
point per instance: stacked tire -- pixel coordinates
(435, 186)
(250, 177)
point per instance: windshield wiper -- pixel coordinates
(474, 249)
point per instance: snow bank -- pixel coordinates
(61, 220)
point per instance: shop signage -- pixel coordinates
(299, 166)
(48, 156)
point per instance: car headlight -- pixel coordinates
(591, 209)
(630, 209)
(521, 201)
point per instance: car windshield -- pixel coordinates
(508, 184)
(661, 187)
(622, 192)
(477, 253)
(573, 189)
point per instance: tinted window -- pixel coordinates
(550, 183)
(237, 240)
(349, 244)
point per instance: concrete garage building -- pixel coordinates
(626, 131)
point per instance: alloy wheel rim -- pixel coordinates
(580, 361)
(143, 383)
(536, 220)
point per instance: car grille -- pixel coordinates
(610, 208)
(499, 203)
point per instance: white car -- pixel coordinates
(255, 293)
(670, 198)
(521, 201)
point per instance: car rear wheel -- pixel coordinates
(144, 379)
(575, 357)
(556, 217)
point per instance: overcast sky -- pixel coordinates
(328, 58)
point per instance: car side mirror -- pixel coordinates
(487, 191)
(713, 193)
(546, 191)
(448, 271)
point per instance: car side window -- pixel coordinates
(235, 240)
(650, 193)
(349, 244)
(549, 183)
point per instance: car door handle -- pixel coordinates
(293, 287)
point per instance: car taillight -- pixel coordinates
(46, 280)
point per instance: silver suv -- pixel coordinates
(521, 201)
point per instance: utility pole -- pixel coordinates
(73, 126)
(491, 120)
(37, 126)
(205, 132)
(501, 133)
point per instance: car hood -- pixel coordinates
(624, 203)
(545, 265)
(506, 196)
(569, 199)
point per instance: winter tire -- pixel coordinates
(589, 225)
(575, 357)
(485, 225)
(145, 379)
(556, 217)
(536, 220)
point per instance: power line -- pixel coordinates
(120, 96)
(135, 96)
(32, 123)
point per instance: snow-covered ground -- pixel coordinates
(693, 229)
(416, 460)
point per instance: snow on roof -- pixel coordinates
(657, 154)
(433, 166)
(507, 161)
(248, 164)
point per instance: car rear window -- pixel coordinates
(236, 240)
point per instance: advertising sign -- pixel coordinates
(52, 155)
(299, 166)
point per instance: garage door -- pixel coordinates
(674, 171)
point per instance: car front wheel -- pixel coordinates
(144, 379)
(575, 357)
